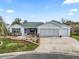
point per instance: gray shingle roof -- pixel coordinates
(32, 24)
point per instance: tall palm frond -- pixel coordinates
(3, 29)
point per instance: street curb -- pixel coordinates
(16, 53)
(34, 52)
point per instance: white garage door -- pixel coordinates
(65, 32)
(49, 32)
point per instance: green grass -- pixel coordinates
(16, 45)
(76, 37)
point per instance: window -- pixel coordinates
(16, 30)
(25, 30)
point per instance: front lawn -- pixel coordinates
(10, 45)
(76, 37)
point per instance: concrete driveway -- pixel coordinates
(56, 44)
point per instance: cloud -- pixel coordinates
(41, 20)
(1, 10)
(32, 16)
(73, 10)
(45, 8)
(71, 13)
(10, 11)
(7, 17)
(70, 1)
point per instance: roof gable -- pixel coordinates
(55, 24)
(48, 25)
(59, 24)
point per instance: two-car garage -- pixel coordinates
(52, 30)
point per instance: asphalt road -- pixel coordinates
(6, 56)
(44, 56)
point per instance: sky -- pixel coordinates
(39, 10)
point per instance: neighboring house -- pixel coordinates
(49, 29)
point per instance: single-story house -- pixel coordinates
(49, 29)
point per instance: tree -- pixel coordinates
(25, 21)
(75, 29)
(63, 20)
(17, 21)
(3, 29)
(69, 22)
(74, 26)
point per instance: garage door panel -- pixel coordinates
(65, 32)
(49, 32)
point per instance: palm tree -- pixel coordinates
(3, 29)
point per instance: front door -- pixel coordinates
(32, 31)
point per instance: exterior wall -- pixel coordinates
(17, 26)
(22, 31)
(69, 30)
